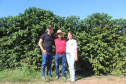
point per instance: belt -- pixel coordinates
(60, 53)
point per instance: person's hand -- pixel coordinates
(44, 51)
(76, 59)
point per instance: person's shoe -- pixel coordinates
(43, 78)
(69, 79)
(56, 77)
(72, 80)
(63, 77)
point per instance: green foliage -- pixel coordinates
(101, 41)
(102, 44)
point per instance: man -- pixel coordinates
(60, 49)
(48, 40)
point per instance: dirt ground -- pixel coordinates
(86, 80)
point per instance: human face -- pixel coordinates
(49, 30)
(70, 36)
(60, 35)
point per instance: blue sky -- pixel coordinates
(81, 8)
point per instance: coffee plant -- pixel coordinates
(101, 40)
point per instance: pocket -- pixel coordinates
(68, 54)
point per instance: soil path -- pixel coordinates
(87, 80)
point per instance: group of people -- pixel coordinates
(64, 50)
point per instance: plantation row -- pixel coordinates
(101, 40)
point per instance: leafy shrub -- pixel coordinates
(101, 41)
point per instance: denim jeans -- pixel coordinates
(71, 61)
(46, 60)
(59, 57)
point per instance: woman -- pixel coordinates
(71, 54)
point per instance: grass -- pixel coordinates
(18, 75)
(117, 72)
(29, 75)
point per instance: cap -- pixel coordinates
(49, 26)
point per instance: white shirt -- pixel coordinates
(71, 45)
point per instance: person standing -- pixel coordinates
(71, 54)
(60, 49)
(45, 43)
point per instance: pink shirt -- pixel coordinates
(60, 45)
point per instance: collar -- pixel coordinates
(61, 38)
(48, 34)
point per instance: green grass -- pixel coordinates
(117, 72)
(30, 75)
(18, 75)
(26, 75)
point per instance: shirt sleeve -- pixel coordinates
(42, 37)
(75, 44)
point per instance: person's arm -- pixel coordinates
(76, 57)
(76, 53)
(41, 47)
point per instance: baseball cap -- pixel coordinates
(49, 26)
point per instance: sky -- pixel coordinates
(66, 8)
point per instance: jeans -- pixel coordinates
(71, 61)
(59, 57)
(46, 60)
